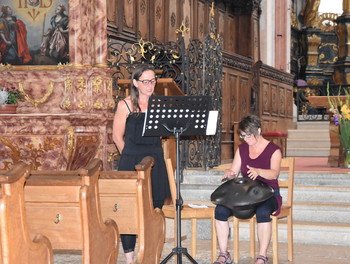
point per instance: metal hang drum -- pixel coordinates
(242, 195)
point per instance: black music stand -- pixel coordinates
(177, 116)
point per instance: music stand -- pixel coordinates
(177, 116)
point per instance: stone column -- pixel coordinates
(100, 33)
(342, 65)
(75, 32)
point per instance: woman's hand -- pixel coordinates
(252, 172)
(229, 174)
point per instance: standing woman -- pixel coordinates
(127, 135)
(257, 159)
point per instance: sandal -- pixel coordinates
(223, 258)
(265, 259)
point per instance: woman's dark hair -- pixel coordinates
(134, 92)
(250, 125)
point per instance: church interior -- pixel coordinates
(65, 65)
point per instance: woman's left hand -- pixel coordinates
(252, 172)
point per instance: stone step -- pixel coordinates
(314, 194)
(304, 232)
(324, 125)
(213, 177)
(308, 152)
(308, 134)
(309, 233)
(293, 143)
(322, 212)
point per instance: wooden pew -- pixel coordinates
(65, 206)
(16, 246)
(126, 197)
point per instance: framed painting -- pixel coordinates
(34, 32)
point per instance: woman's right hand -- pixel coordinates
(229, 174)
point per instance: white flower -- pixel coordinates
(3, 96)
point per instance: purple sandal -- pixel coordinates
(265, 259)
(225, 256)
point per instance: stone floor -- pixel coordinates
(303, 254)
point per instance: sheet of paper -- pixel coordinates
(212, 123)
(197, 206)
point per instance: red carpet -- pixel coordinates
(316, 164)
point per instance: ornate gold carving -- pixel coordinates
(98, 104)
(81, 84)
(36, 102)
(82, 104)
(313, 44)
(70, 141)
(310, 13)
(294, 20)
(182, 29)
(327, 21)
(5, 67)
(96, 83)
(66, 103)
(314, 81)
(113, 156)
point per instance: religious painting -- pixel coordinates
(34, 32)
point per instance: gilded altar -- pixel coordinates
(66, 117)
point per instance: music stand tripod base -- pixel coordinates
(177, 116)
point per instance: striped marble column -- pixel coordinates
(100, 33)
(75, 32)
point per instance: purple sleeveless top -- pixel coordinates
(261, 162)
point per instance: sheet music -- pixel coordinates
(212, 123)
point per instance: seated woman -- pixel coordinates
(258, 159)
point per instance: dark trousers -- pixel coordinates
(129, 241)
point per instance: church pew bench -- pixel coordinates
(65, 206)
(126, 197)
(16, 245)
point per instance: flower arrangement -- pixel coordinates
(10, 95)
(340, 107)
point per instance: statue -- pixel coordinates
(310, 13)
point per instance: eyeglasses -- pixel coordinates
(147, 82)
(245, 136)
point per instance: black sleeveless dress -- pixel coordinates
(137, 147)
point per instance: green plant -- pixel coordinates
(10, 95)
(341, 115)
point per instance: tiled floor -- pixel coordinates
(303, 254)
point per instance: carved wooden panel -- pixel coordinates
(274, 100)
(112, 12)
(265, 98)
(289, 103)
(282, 101)
(159, 20)
(221, 27)
(173, 20)
(129, 21)
(144, 18)
(244, 96)
(201, 21)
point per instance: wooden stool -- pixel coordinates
(278, 137)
